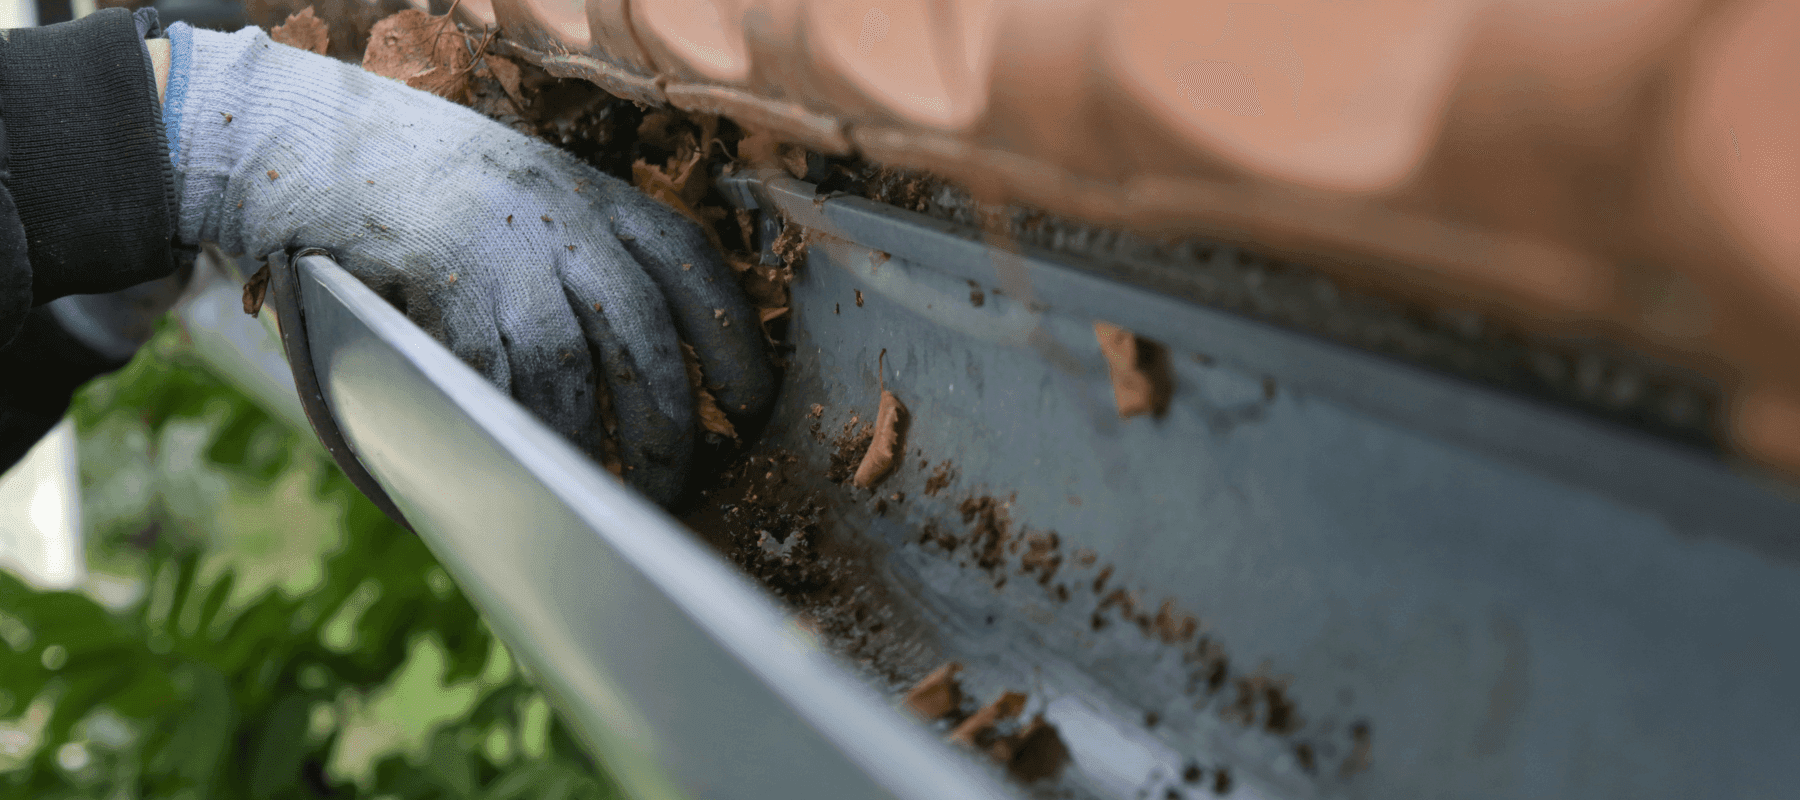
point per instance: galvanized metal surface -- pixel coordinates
(1514, 601)
(679, 673)
(1517, 602)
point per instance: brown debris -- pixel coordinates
(909, 190)
(1361, 747)
(678, 184)
(1303, 753)
(759, 148)
(988, 539)
(1262, 697)
(507, 72)
(790, 245)
(425, 52)
(1101, 579)
(931, 533)
(1085, 557)
(1173, 625)
(303, 30)
(885, 446)
(255, 289)
(1139, 370)
(347, 21)
(712, 417)
(937, 695)
(794, 159)
(939, 479)
(1041, 556)
(1125, 601)
(1213, 669)
(1033, 754)
(981, 723)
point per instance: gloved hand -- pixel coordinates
(532, 267)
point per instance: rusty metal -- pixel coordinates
(1622, 169)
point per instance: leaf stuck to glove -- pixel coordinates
(712, 417)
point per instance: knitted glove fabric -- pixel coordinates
(532, 267)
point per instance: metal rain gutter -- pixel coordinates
(681, 674)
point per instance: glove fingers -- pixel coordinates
(626, 323)
(462, 319)
(551, 369)
(709, 307)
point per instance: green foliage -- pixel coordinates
(257, 664)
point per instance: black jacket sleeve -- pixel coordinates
(85, 201)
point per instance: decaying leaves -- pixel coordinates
(423, 51)
(255, 289)
(936, 695)
(884, 449)
(1006, 706)
(507, 72)
(303, 30)
(712, 417)
(766, 284)
(1139, 370)
(682, 180)
(759, 148)
(1032, 754)
(790, 244)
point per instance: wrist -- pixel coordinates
(159, 64)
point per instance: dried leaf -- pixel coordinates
(790, 245)
(425, 52)
(673, 185)
(936, 695)
(1007, 706)
(303, 30)
(255, 290)
(759, 148)
(1034, 753)
(712, 417)
(884, 449)
(794, 159)
(507, 72)
(1138, 368)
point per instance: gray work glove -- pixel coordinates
(532, 267)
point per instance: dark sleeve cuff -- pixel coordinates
(44, 366)
(87, 159)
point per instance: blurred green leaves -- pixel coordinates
(264, 632)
